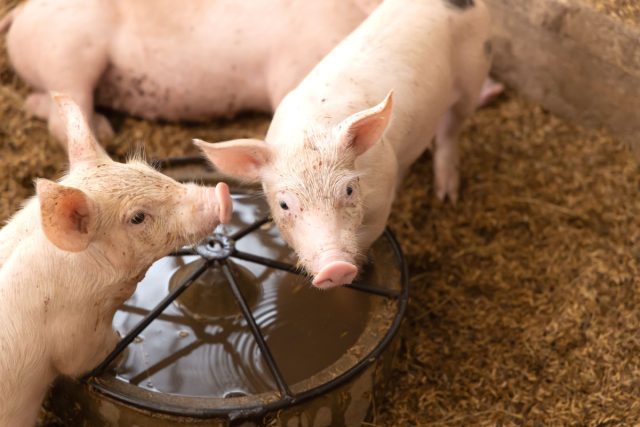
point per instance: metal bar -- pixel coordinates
(255, 330)
(268, 262)
(388, 293)
(182, 161)
(124, 342)
(241, 233)
(160, 365)
(144, 312)
(183, 252)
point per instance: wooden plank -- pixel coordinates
(573, 60)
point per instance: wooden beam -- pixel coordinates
(576, 62)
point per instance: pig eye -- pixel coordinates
(284, 206)
(349, 190)
(138, 218)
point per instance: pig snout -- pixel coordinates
(334, 269)
(335, 273)
(207, 207)
(225, 205)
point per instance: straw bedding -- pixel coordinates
(628, 11)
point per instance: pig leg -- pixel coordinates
(446, 155)
(39, 105)
(474, 88)
(491, 89)
(78, 42)
(101, 127)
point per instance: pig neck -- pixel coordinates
(376, 58)
(17, 229)
(55, 315)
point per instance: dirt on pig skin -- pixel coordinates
(524, 295)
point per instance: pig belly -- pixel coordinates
(194, 63)
(180, 96)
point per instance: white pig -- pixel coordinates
(92, 237)
(162, 59)
(331, 162)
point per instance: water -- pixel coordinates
(202, 346)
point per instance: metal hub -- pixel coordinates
(216, 247)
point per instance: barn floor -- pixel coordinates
(524, 296)
(628, 11)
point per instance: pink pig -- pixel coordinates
(162, 59)
(84, 244)
(333, 160)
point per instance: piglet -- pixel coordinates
(333, 158)
(87, 241)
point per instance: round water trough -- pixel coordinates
(230, 332)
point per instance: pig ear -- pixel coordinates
(82, 146)
(241, 158)
(362, 130)
(68, 215)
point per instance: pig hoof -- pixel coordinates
(448, 191)
(38, 105)
(490, 91)
(102, 128)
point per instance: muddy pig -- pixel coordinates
(93, 236)
(332, 159)
(160, 60)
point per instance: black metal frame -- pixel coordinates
(286, 395)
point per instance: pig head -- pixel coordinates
(313, 187)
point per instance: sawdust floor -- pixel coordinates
(628, 11)
(524, 296)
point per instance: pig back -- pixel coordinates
(416, 49)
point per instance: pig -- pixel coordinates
(91, 238)
(153, 59)
(340, 143)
